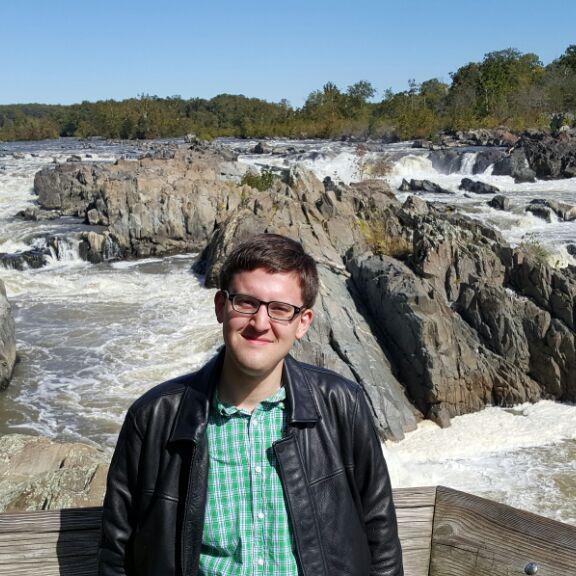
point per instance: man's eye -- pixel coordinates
(245, 302)
(281, 309)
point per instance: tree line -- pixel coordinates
(507, 88)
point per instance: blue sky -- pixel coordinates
(64, 51)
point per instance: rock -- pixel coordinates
(446, 161)
(74, 158)
(515, 165)
(571, 249)
(566, 212)
(401, 306)
(477, 187)
(486, 158)
(34, 258)
(540, 211)
(439, 357)
(163, 204)
(36, 214)
(422, 186)
(7, 339)
(500, 202)
(550, 289)
(549, 157)
(18, 156)
(499, 137)
(523, 334)
(261, 149)
(39, 474)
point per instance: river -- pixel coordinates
(92, 338)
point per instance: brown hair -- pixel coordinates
(274, 253)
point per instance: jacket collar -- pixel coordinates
(192, 415)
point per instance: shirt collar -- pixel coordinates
(226, 409)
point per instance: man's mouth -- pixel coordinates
(256, 339)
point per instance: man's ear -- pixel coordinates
(219, 305)
(304, 322)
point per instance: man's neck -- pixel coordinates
(245, 391)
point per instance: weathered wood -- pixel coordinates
(415, 512)
(414, 497)
(473, 536)
(64, 542)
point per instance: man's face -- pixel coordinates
(256, 344)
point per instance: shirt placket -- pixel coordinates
(257, 471)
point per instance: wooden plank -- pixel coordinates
(415, 512)
(65, 541)
(414, 497)
(416, 562)
(473, 535)
(51, 520)
(424, 514)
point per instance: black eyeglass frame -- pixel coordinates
(297, 309)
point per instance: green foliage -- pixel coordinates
(262, 181)
(536, 250)
(381, 241)
(507, 88)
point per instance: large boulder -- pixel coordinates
(37, 473)
(516, 165)
(422, 186)
(550, 157)
(477, 187)
(7, 339)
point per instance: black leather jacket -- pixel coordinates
(330, 462)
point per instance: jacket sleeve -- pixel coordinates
(118, 519)
(373, 483)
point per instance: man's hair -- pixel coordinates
(275, 254)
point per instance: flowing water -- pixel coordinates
(92, 338)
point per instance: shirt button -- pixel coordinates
(260, 561)
(260, 515)
(258, 469)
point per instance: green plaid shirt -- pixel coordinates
(246, 530)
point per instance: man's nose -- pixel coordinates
(260, 319)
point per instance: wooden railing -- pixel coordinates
(443, 532)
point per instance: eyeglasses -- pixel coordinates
(244, 304)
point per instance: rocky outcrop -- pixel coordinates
(439, 356)
(39, 474)
(523, 334)
(550, 157)
(325, 218)
(7, 339)
(412, 295)
(158, 205)
(477, 187)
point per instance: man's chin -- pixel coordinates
(254, 363)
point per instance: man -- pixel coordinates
(256, 464)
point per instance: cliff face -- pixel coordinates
(430, 311)
(7, 339)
